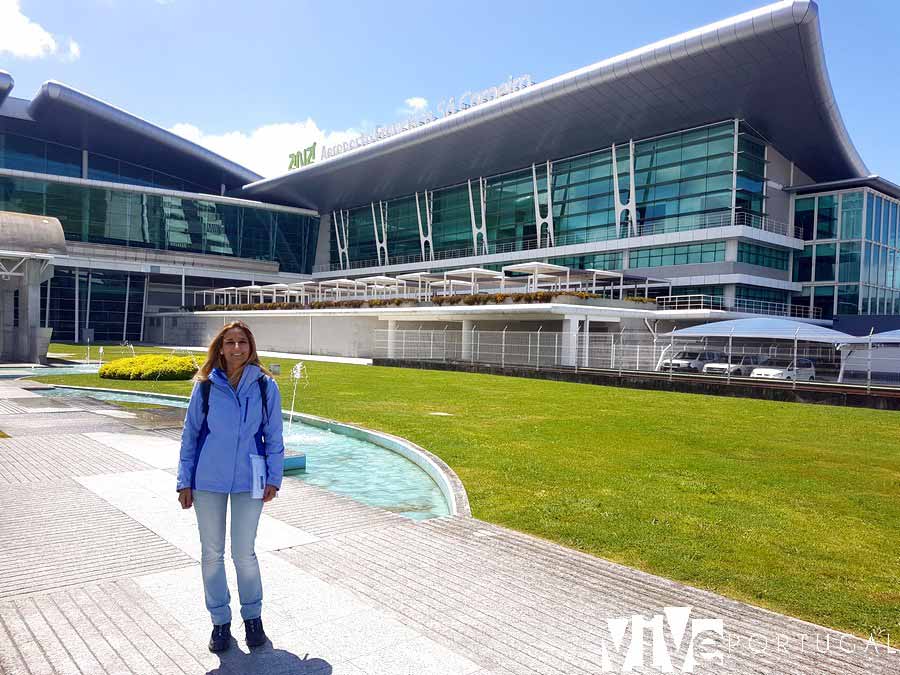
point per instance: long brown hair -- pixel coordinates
(215, 359)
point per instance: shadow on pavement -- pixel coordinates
(268, 660)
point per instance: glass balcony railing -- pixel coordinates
(684, 302)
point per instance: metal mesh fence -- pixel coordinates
(783, 358)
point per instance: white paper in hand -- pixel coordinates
(258, 470)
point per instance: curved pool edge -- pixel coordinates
(444, 477)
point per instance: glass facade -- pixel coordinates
(110, 295)
(683, 181)
(596, 261)
(196, 225)
(23, 153)
(688, 254)
(851, 263)
(765, 256)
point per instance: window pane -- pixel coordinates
(848, 299)
(851, 215)
(849, 265)
(803, 264)
(824, 299)
(826, 219)
(804, 212)
(825, 262)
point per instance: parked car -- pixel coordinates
(741, 365)
(690, 361)
(785, 369)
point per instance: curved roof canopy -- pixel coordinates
(6, 85)
(31, 234)
(766, 66)
(765, 329)
(65, 115)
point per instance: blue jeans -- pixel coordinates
(245, 512)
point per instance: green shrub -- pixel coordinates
(150, 367)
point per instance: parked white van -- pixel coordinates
(785, 369)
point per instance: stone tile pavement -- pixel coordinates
(99, 574)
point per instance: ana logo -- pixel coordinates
(691, 640)
(302, 157)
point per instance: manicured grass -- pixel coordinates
(788, 506)
(111, 350)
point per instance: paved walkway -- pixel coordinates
(99, 574)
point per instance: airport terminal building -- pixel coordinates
(716, 159)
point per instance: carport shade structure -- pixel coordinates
(765, 328)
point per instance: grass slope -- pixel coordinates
(788, 506)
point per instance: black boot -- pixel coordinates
(220, 640)
(253, 629)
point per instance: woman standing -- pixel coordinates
(231, 447)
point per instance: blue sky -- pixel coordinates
(256, 80)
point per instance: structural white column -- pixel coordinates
(731, 250)
(47, 306)
(77, 320)
(479, 229)
(125, 317)
(467, 327)
(144, 306)
(569, 354)
(426, 232)
(392, 338)
(380, 226)
(542, 222)
(630, 206)
(587, 342)
(87, 309)
(341, 220)
(728, 295)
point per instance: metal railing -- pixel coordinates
(683, 302)
(699, 222)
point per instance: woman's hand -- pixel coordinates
(270, 493)
(186, 498)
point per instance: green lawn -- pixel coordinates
(788, 506)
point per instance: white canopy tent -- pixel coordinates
(337, 286)
(276, 289)
(878, 352)
(422, 280)
(250, 290)
(536, 271)
(303, 290)
(448, 286)
(474, 275)
(380, 284)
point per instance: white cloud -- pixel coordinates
(265, 150)
(23, 38)
(417, 103)
(414, 106)
(74, 51)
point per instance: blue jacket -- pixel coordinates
(223, 464)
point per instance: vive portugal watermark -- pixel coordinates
(676, 642)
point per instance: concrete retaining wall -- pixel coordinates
(352, 336)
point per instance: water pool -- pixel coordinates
(77, 369)
(360, 470)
